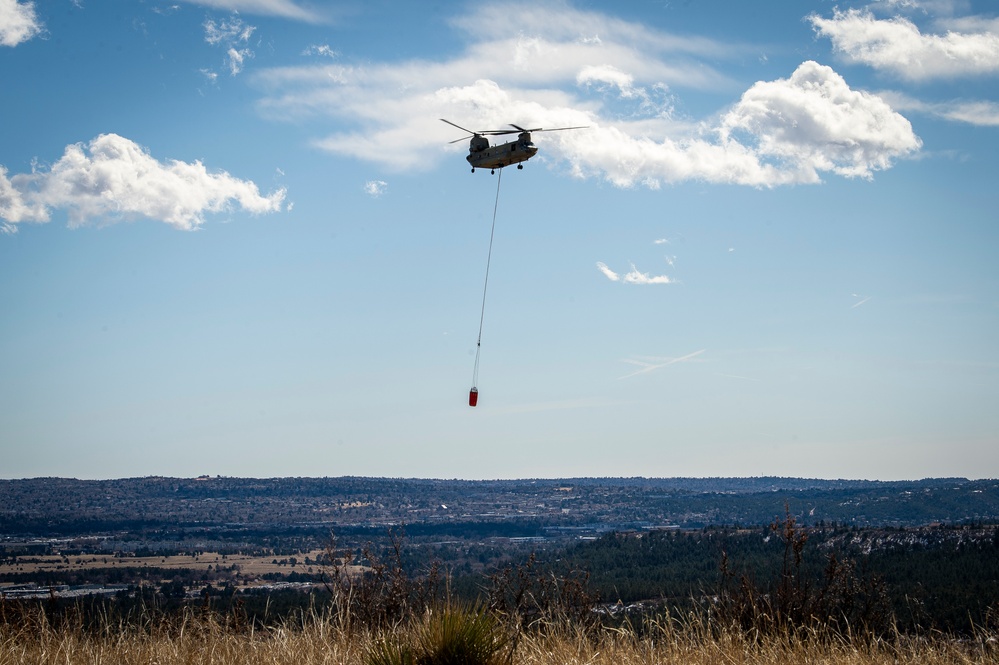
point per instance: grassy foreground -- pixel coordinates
(317, 639)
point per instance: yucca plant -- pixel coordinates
(390, 652)
(448, 635)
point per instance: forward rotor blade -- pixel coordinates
(539, 129)
(458, 126)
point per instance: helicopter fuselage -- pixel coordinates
(481, 155)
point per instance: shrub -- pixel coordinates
(385, 594)
(843, 600)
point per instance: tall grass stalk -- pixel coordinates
(315, 638)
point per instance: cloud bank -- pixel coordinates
(616, 77)
(18, 22)
(113, 179)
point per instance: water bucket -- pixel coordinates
(473, 396)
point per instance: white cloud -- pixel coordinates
(113, 179)
(283, 8)
(230, 34)
(611, 275)
(813, 121)
(897, 45)
(228, 31)
(633, 277)
(235, 58)
(780, 132)
(564, 26)
(974, 112)
(13, 207)
(980, 113)
(324, 50)
(375, 188)
(606, 75)
(18, 22)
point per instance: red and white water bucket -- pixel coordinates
(473, 396)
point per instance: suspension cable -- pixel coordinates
(485, 286)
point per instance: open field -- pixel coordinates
(73, 576)
(248, 566)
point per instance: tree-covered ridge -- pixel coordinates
(939, 577)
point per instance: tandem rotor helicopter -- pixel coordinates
(483, 156)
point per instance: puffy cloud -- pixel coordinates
(113, 179)
(898, 46)
(633, 277)
(813, 121)
(18, 22)
(13, 207)
(780, 132)
(375, 188)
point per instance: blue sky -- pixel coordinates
(237, 240)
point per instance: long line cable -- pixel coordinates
(485, 285)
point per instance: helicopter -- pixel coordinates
(483, 156)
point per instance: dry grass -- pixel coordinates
(314, 640)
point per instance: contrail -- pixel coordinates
(860, 302)
(649, 367)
